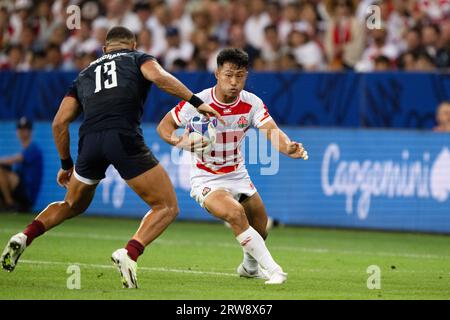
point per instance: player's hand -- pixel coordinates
(209, 111)
(63, 177)
(295, 150)
(190, 145)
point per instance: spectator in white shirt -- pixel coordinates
(255, 24)
(118, 14)
(271, 49)
(307, 53)
(177, 49)
(157, 24)
(378, 47)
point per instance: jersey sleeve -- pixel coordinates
(261, 114)
(142, 58)
(182, 113)
(72, 92)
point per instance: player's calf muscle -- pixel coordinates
(57, 212)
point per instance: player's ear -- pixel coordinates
(134, 46)
(216, 73)
(104, 49)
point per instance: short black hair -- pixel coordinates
(235, 56)
(119, 34)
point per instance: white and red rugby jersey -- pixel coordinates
(225, 155)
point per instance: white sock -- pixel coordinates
(250, 263)
(254, 244)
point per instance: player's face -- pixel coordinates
(24, 135)
(231, 79)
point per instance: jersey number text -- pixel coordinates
(110, 69)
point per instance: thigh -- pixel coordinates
(221, 204)
(11, 178)
(154, 187)
(256, 213)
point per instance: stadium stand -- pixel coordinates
(316, 34)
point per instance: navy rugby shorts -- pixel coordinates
(125, 150)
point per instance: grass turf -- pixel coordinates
(198, 261)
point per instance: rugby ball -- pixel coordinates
(200, 127)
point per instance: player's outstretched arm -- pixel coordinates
(282, 142)
(166, 130)
(68, 112)
(153, 71)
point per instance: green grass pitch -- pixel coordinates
(198, 261)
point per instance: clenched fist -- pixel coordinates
(295, 150)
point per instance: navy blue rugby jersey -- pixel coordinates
(112, 91)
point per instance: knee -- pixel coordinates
(236, 216)
(173, 211)
(170, 210)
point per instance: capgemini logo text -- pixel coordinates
(366, 179)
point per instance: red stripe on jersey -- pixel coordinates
(264, 118)
(224, 153)
(267, 110)
(235, 159)
(227, 169)
(230, 136)
(240, 108)
(178, 109)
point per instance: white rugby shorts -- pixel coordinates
(237, 183)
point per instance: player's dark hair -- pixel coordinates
(119, 34)
(235, 56)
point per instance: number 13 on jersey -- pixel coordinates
(110, 69)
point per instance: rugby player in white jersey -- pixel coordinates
(219, 180)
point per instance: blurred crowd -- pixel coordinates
(412, 35)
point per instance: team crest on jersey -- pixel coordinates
(227, 111)
(242, 122)
(205, 191)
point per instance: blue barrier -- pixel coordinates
(381, 179)
(395, 100)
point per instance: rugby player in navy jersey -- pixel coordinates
(111, 93)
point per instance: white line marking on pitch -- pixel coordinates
(229, 245)
(104, 266)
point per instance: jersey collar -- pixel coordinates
(120, 50)
(221, 104)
